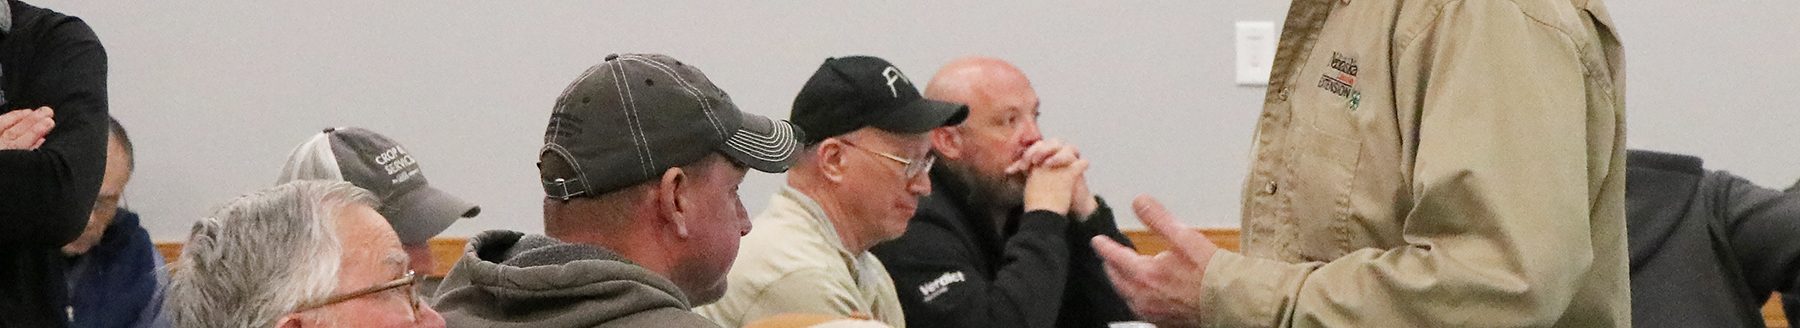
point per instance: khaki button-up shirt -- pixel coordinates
(794, 262)
(1435, 163)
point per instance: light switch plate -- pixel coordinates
(1255, 52)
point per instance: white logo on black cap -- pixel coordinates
(893, 75)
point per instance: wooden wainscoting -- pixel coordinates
(1152, 243)
(444, 250)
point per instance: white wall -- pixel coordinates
(1717, 79)
(215, 93)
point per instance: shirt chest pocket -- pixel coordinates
(1324, 150)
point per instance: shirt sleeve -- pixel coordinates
(1507, 169)
(940, 286)
(46, 194)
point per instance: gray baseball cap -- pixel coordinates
(633, 116)
(372, 161)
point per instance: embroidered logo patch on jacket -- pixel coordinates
(1343, 83)
(936, 287)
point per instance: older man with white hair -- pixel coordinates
(301, 254)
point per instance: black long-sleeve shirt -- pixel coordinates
(48, 59)
(955, 268)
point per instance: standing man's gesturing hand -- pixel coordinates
(1163, 289)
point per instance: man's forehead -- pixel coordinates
(361, 227)
(1001, 100)
(396, 258)
(117, 159)
(733, 171)
(369, 241)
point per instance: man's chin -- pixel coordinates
(710, 295)
(1010, 189)
(1006, 192)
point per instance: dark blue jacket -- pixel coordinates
(115, 284)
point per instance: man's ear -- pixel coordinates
(291, 320)
(831, 159)
(947, 142)
(670, 202)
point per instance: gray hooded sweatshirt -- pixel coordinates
(510, 279)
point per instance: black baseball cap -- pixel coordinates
(371, 161)
(633, 116)
(849, 93)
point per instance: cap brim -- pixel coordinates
(424, 212)
(763, 144)
(921, 115)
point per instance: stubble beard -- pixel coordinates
(997, 193)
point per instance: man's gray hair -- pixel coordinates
(262, 255)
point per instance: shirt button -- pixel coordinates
(1283, 95)
(1269, 189)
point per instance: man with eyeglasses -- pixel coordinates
(1003, 240)
(416, 209)
(855, 184)
(308, 253)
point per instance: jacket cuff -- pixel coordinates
(1240, 291)
(1043, 221)
(1101, 217)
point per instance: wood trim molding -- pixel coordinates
(1151, 243)
(443, 250)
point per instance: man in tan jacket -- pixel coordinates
(1418, 163)
(856, 182)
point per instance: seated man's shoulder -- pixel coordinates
(937, 207)
(1562, 15)
(936, 221)
(782, 244)
(28, 18)
(664, 317)
(923, 243)
(937, 217)
(808, 290)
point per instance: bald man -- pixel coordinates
(990, 246)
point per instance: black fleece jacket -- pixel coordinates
(954, 268)
(48, 59)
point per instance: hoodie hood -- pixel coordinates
(511, 279)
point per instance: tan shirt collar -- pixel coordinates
(821, 222)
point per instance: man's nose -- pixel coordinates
(744, 217)
(920, 185)
(1029, 134)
